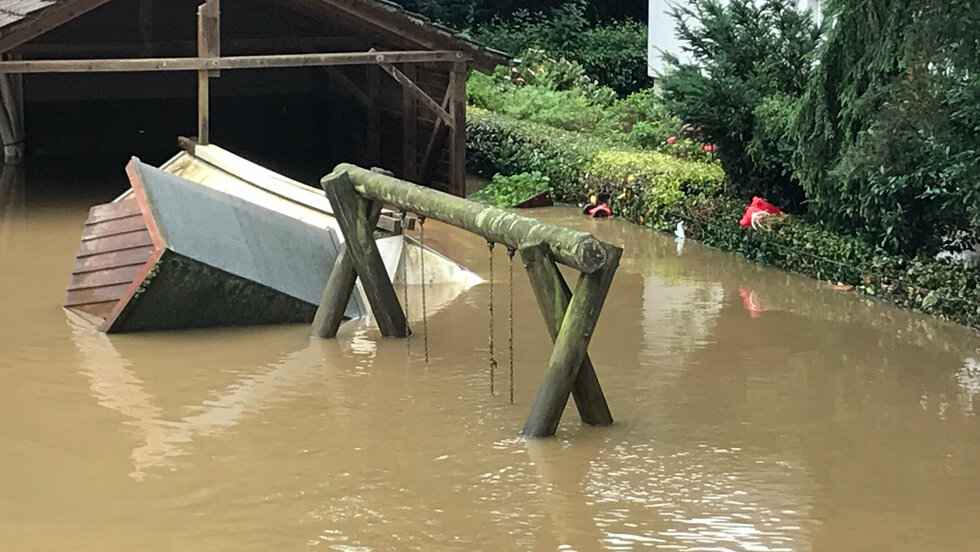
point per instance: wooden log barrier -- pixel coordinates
(579, 250)
(357, 194)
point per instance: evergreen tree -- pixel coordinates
(887, 131)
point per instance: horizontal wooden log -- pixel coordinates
(579, 250)
(229, 62)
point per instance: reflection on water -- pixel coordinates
(12, 212)
(818, 421)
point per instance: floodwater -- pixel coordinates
(756, 410)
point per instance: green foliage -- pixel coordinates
(506, 191)
(751, 61)
(613, 53)
(642, 185)
(887, 141)
(467, 13)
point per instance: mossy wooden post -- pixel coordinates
(553, 296)
(571, 346)
(340, 286)
(351, 210)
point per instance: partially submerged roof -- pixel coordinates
(23, 20)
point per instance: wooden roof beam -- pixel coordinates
(230, 62)
(49, 19)
(408, 28)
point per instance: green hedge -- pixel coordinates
(638, 185)
(656, 190)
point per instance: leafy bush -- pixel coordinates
(506, 191)
(751, 61)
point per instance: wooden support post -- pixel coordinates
(373, 127)
(340, 286)
(12, 117)
(410, 129)
(208, 46)
(349, 209)
(571, 346)
(457, 141)
(553, 296)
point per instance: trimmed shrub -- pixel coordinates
(639, 185)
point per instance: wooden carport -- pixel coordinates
(404, 75)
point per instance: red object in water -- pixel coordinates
(759, 208)
(600, 210)
(750, 302)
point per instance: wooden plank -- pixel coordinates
(571, 346)
(52, 17)
(224, 63)
(420, 95)
(95, 295)
(104, 278)
(554, 295)
(111, 211)
(410, 129)
(114, 227)
(349, 208)
(340, 286)
(457, 140)
(113, 259)
(115, 243)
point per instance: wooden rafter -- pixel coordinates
(49, 19)
(228, 62)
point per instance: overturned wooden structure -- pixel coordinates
(387, 87)
(212, 239)
(357, 196)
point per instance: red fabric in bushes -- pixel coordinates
(757, 206)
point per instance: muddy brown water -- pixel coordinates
(756, 410)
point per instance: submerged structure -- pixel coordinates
(211, 239)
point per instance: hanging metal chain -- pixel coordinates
(493, 360)
(405, 250)
(425, 321)
(510, 316)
